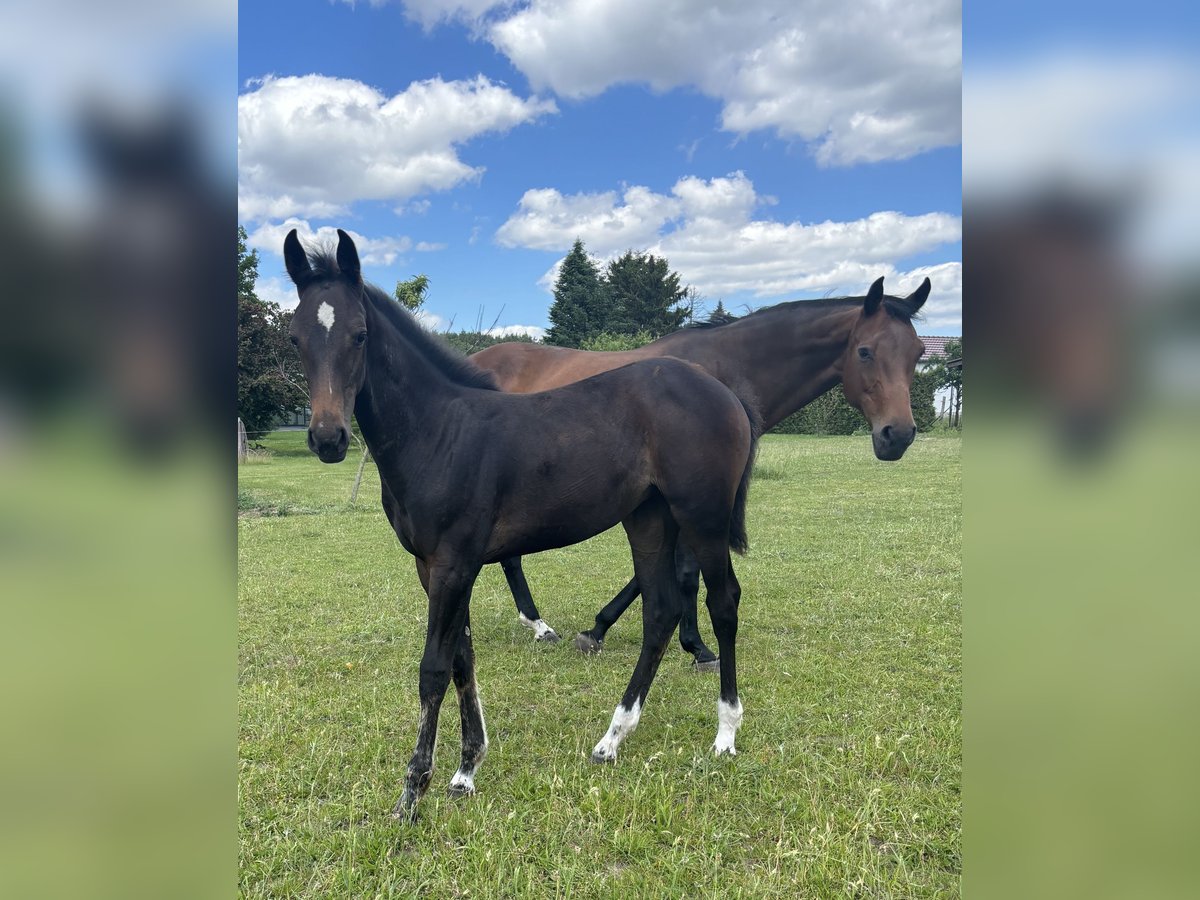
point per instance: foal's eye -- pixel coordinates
(295, 340)
(360, 338)
(864, 353)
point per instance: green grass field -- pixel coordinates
(848, 774)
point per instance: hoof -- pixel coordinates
(585, 643)
(600, 757)
(707, 665)
(724, 750)
(405, 809)
(549, 636)
(460, 790)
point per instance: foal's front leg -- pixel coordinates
(449, 588)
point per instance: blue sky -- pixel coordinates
(770, 150)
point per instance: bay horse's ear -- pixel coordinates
(347, 257)
(296, 259)
(874, 297)
(917, 298)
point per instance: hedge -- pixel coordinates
(831, 414)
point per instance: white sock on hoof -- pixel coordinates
(463, 781)
(540, 628)
(729, 720)
(623, 722)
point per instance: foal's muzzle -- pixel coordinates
(329, 442)
(892, 440)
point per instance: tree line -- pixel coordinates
(633, 300)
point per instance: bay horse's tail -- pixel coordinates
(738, 541)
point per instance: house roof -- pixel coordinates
(935, 344)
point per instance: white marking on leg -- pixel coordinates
(540, 628)
(325, 316)
(729, 720)
(623, 722)
(464, 779)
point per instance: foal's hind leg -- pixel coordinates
(652, 536)
(523, 597)
(470, 711)
(687, 572)
(724, 596)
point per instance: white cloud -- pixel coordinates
(312, 145)
(859, 82)
(534, 331)
(545, 219)
(417, 208)
(428, 247)
(707, 231)
(943, 309)
(431, 320)
(371, 251)
(277, 289)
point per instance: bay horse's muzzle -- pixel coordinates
(892, 440)
(329, 442)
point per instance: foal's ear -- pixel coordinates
(874, 297)
(296, 259)
(917, 298)
(347, 257)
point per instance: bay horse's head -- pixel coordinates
(878, 366)
(329, 328)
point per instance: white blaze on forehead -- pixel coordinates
(325, 316)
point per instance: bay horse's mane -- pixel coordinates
(456, 367)
(895, 306)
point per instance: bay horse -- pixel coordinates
(777, 360)
(472, 475)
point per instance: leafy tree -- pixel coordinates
(268, 380)
(606, 340)
(411, 293)
(247, 265)
(645, 295)
(721, 314)
(944, 376)
(581, 305)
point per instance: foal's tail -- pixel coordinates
(738, 541)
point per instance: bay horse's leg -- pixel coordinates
(652, 536)
(687, 572)
(592, 640)
(526, 609)
(449, 588)
(470, 711)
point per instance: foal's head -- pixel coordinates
(329, 328)
(878, 366)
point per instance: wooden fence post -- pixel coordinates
(243, 447)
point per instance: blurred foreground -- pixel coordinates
(116, 366)
(1082, 281)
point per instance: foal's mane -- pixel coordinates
(456, 367)
(895, 306)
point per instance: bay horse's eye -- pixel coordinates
(360, 338)
(864, 353)
(295, 340)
